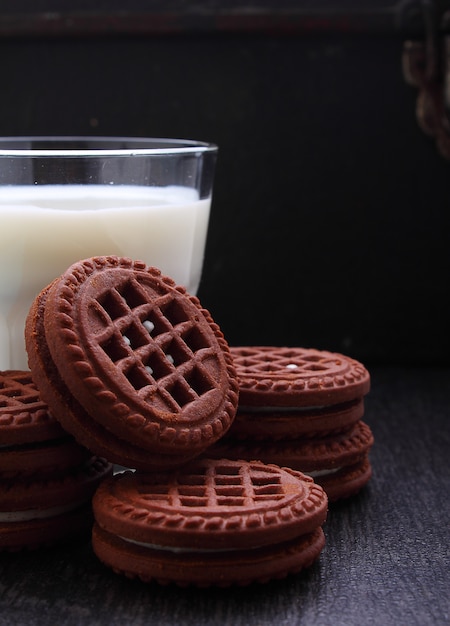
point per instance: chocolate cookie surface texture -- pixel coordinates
(32, 441)
(298, 377)
(212, 522)
(302, 408)
(130, 363)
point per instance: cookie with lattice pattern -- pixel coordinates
(24, 416)
(303, 408)
(130, 363)
(213, 522)
(32, 441)
(297, 377)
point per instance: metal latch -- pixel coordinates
(426, 66)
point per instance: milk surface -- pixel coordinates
(46, 228)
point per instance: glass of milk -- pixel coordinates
(69, 198)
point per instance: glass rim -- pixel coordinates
(162, 146)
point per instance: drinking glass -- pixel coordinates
(63, 199)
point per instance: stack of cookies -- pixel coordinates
(137, 371)
(215, 522)
(47, 479)
(302, 408)
(226, 457)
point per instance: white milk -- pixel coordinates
(46, 228)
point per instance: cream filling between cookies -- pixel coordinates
(31, 514)
(153, 546)
(322, 473)
(283, 409)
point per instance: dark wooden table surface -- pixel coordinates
(386, 561)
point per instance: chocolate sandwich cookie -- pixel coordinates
(283, 422)
(32, 441)
(297, 377)
(302, 407)
(213, 522)
(47, 510)
(131, 364)
(339, 462)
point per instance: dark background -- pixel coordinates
(329, 229)
(329, 225)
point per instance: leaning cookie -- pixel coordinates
(131, 364)
(214, 522)
(48, 510)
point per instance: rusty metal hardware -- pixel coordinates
(426, 66)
